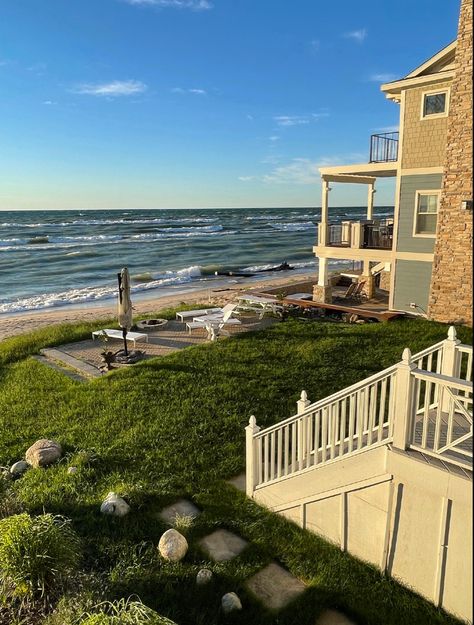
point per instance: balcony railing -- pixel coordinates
(384, 147)
(378, 235)
(371, 234)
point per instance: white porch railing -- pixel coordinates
(424, 402)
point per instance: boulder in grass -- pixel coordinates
(43, 452)
(173, 546)
(114, 505)
(230, 602)
(203, 577)
(19, 468)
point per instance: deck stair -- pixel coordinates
(379, 463)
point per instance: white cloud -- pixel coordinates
(246, 178)
(49, 102)
(112, 89)
(193, 91)
(290, 120)
(394, 128)
(314, 45)
(305, 171)
(383, 77)
(357, 35)
(193, 5)
(318, 116)
(273, 138)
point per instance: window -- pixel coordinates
(426, 213)
(435, 104)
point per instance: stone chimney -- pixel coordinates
(451, 282)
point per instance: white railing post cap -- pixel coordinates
(252, 426)
(406, 356)
(452, 334)
(304, 396)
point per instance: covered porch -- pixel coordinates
(368, 241)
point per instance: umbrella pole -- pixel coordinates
(124, 332)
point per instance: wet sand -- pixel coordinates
(19, 323)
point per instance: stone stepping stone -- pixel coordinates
(238, 482)
(182, 507)
(223, 545)
(333, 617)
(275, 587)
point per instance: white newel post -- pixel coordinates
(251, 459)
(450, 363)
(403, 407)
(302, 403)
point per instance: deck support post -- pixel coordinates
(370, 200)
(251, 458)
(404, 404)
(324, 213)
(322, 292)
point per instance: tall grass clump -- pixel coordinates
(124, 612)
(36, 556)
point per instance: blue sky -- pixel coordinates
(199, 103)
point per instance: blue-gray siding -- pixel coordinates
(412, 284)
(409, 185)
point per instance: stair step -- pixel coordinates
(82, 370)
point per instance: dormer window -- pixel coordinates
(434, 104)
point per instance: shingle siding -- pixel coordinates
(409, 185)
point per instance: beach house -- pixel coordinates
(383, 468)
(421, 259)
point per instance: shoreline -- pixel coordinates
(17, 323)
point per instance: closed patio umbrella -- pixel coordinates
(124, 305)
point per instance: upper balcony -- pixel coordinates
(384, 148)
(370, 234)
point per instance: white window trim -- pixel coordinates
(447, 91)
(415, 214)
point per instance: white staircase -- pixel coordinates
(383, 468)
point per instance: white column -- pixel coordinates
(251, 459)
(323, 272)
(370, 201)
(324, 212)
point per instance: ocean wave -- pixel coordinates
(97, 293)
(106, 222)
(294, 227)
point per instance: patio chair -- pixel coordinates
(350, 291)
(358, 293)
(216, 327)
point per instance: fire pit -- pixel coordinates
(151, 324)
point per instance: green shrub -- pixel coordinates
(36, 555)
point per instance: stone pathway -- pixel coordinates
(333, 617)
(183, 507)
(222, 545)
(275, 587)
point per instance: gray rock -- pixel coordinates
(203, 577)
(230, 602)
(43, 452)
(72, 470)
(173, 546)
(19, 468)
(114, 506)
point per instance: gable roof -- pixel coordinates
(437, 68)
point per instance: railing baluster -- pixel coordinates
(383, 393)
(372, 409)
(324, 433)
(360, 417)
(287, 448)
(309, 438)
(426, 414)
(272, 456)
(342, 431)
(279, 453)
(294, 443)
(351, 421)
(334, 428)
(316, 436)
(439, 413)
(265, 458)
(259, 459)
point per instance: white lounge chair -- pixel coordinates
(118, 334)
(216, 327)
(220, 313)
(187, 314)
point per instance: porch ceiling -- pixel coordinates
(342, 173)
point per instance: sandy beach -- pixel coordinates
(20, 323)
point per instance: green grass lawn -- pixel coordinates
(174, 426)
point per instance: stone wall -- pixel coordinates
(424, 140)
(451, 284)
(385, 281)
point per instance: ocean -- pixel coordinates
(58, 258)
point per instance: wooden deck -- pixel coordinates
(376, 308)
